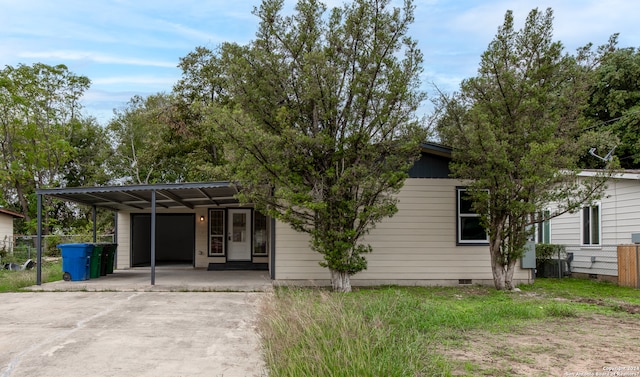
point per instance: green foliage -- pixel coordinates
(156, 143)
(39, 111)
(13, 281)
(518, 135)
(318, 117)
(546, 251)
(614, 102)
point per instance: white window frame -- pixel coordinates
(460, 216)
(543, 229)
(220, 237)
(590, 242)
(256, 238)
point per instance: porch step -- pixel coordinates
(234, 265)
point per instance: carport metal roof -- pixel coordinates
(139, 197)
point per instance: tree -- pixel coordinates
(38, 106)
(518, 136)
(154, 143)
(318, 118)
(614, 101)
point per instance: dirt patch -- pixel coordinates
(586, 346)
(624, 307)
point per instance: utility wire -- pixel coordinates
(612, 120)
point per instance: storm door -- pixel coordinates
(239, 235)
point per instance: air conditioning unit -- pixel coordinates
(635, 237)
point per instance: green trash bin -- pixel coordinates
(106, 250)
(112, 257)
(96, 257)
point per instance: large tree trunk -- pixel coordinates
(502, 274)
(23, 201)
(498, 275)
(508, 279)
(340, 281)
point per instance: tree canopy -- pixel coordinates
(318, 118)
(614, 101)
(155, 142)
(518, 134)
(41, 127)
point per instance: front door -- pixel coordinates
(239, 235)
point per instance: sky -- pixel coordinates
(133, 47)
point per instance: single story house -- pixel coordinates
(592, 234)
(434, 238)
(6, 228)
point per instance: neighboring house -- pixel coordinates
(593, 233)
(6, 228)
(434, 238)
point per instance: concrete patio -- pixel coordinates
(167, 279)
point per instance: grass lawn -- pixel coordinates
(554, 327)
(12, 281)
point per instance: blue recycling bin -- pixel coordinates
(76, 261)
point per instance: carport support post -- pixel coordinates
(153, 237)
(95, 234)
(39, 243)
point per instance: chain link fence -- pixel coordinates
(23, 248)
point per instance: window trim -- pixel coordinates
(597, 205)
(254, 235)
(223, 236)
(543, 229)
(459, 217)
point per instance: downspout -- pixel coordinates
(39, 243)
(272, 267)
(153, 237)
(115, 237)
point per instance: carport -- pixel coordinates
(139, 197)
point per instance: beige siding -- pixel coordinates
(620, 216)
(6, 231)
(202, 242)
(123, 256)
(416, 246)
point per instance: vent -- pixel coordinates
(464, 281)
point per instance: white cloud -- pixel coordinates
(96, 57)
(144, 80)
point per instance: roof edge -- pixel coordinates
(11, 213)
(163, 186)
(437, 149)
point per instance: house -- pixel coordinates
(592, 234)
(6, 228)
(434, 239)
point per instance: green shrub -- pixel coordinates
(547, 251)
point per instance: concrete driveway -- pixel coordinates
(130, 334)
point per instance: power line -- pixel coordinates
(612, 120)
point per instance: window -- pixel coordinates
(216, 232)
(259, 234)
(591, 225)
(469, 228)
(544, 229)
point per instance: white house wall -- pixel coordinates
(123, 256)
(417, 246)
(620, 216)
(6, 231)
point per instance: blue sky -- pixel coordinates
(132, 47)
